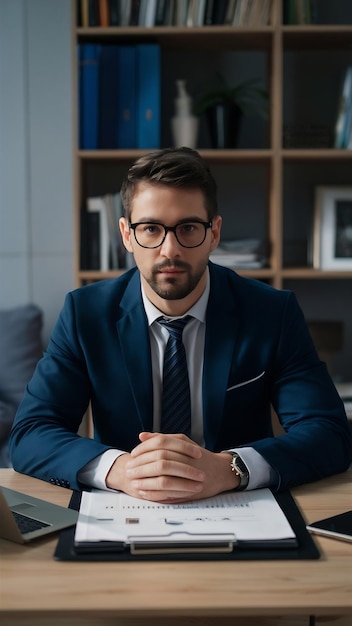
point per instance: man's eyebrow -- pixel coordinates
(146, 220)
(195, 218)
(185, 220)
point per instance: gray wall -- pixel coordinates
(36, 171)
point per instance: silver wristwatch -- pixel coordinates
(240, 468)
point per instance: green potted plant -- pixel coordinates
(224, 107)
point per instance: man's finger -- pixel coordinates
(159, 441)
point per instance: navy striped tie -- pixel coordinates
(176, 401)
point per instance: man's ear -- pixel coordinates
(215, 232)
(125, 233)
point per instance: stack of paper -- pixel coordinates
(212, 524)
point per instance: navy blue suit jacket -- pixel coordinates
(258, 353)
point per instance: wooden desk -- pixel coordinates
(35, 589)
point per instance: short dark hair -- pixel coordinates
(172, 167)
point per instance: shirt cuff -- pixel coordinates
(94, 473)
(261, 473)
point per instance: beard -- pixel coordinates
(171, 288)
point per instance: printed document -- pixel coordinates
(232, 517)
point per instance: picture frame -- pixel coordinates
(332, 234)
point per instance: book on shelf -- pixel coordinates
(241, 253)
(208, 17)
(134, 14)
(230, 12)
(98, 208)
(186, 13)
(119, 96)
(102, 247)
(250, 13)
(148, 95)
(125, 8)
(83, 13)
(142, 12)
(89, 70)
(93, 13)
(219, 12)
(343, 128)
(114, 12)
(150, 14)
(162, 9)
(299, 12)
(89, 243)
(182, 7)
(117, 102)
(114, 232)
(127, 97)
(200, 15)
(108, 96)
(103, 8)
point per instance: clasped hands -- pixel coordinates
(171, 468)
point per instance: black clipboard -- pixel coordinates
(305, 548)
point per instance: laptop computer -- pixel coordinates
(24, 518)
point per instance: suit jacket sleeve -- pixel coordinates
(76, 369)
(317, 441)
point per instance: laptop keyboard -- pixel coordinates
(27, 524)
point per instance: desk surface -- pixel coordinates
(33, 584)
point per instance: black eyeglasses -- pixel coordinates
(153, 234)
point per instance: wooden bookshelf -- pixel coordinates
(280, 46)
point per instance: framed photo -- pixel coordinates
(332, 237)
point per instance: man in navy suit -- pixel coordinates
(247, 345)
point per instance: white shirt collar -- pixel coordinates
(198, 310)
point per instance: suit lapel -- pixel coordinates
(220, 338)
(133, 332)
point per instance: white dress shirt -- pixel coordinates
(261, 473)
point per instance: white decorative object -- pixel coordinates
(184, 124)
(332, 236)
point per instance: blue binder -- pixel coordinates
(148, 96)
(127, 91)
(89, 67)
(108, 93)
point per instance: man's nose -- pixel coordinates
(170, 244)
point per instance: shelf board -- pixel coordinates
(201, 37)
(316, 154)
(94, 275)
(260, 274)
(211, 155)
(308, 273)
(310, 36)
(308, 154)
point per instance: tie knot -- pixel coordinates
(175, 327)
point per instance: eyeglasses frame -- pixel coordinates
(173, 230)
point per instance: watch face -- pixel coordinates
(240, 465)
(240, 468)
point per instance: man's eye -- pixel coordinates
(189, 228)
(152, 229)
